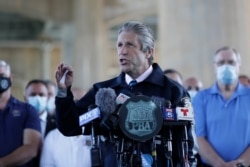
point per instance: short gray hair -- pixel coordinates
(224, 48)
(144, 33)
(6, 66)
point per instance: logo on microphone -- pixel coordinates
(121, 98)
(185, 113)
(168, 114)
(89, 116)
(140, 118)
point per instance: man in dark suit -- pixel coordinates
(36, 94)
(135, 48)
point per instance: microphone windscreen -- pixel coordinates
(105, 99)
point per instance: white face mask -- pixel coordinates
(39, 102)
(226, 74)
(51, 104)
(192, 93)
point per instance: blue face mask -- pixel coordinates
(39, 102)
(192, 94)
(51, 105)
(227, 74)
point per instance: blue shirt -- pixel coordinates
(16, 117)
(224, 123)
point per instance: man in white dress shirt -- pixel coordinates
(61, 151)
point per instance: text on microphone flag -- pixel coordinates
(89, 116)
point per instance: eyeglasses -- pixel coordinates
(222, 62)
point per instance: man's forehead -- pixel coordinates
(226, 55)
(192, 82)
(127, 36)
(39, 87)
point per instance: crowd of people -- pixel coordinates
(43, 128)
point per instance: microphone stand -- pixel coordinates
(185, 147)
(169, 148)
(167, 140)
(120, 152)
(167, 144)
(137, 162)
(96, 157)
(154, 153)
(185, 103)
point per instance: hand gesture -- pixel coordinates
(64, 76)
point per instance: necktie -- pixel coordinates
(132, 84)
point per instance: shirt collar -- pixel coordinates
(141, 78)
(240, 89)
(43, 116)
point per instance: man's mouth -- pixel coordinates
(123, 61)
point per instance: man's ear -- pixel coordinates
(11, 77)
(215, 68)
(150, 52)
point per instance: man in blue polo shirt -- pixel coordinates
(20, 136)
(222, 115)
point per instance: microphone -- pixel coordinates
(105, 99)
(168, 112)
(110, 122)
(180, 117)
(92, 114)
(121, 98)
(180, 113)
(104, 105)
(185, 111)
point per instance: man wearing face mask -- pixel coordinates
(36, 94)
(20, 135)
(193, 85)
(222, 115)
(51, 97)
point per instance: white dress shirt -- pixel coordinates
(62, 151)
(43, 121)
(141, 78)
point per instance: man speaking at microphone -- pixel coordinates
(135, 49)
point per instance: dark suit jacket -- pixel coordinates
(157, 84)
(50, 125)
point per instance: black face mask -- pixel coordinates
(5, 83)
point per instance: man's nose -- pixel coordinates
(123, 50)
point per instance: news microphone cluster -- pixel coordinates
(179, 115)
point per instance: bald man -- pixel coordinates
(192, 85)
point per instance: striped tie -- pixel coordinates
(132, 84)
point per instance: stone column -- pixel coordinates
(86, 55)
(191, 31)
